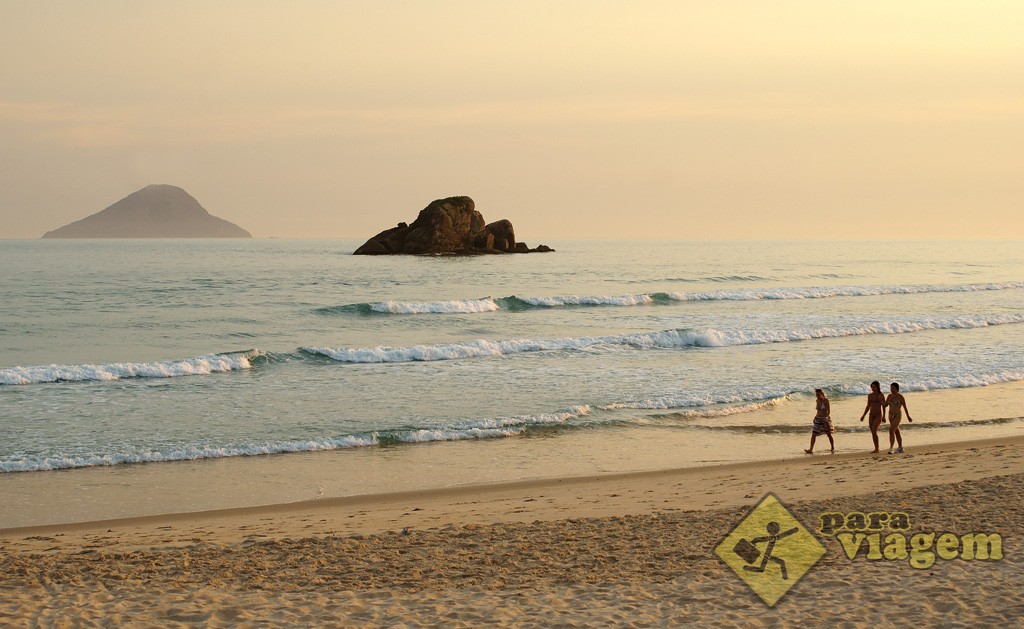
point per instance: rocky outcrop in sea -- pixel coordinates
(449, 226)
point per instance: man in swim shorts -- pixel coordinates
(876, 408)
(822, 421)
(897, 406)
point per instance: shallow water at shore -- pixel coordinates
(150, 489)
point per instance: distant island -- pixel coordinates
(156, 211)
(449, 226)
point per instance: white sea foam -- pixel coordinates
(577, 300)
(188, 453)
(754, 399)
(118, 371)
(825, 292)
(959, 381)
(439, 307)
(709, 337)
(447, 351)
(493, 428)
(966, 381)
(696, 407)
(763, 294)
(474, 429)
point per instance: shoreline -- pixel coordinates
(631, 549)
(154, 489)
(685, 488)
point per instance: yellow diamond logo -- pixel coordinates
(770, 550)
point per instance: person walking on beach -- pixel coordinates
(822, 421)
(876, 408)
(896, 402)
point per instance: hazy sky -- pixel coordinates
(588, 119)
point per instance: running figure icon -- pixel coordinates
(772, 537)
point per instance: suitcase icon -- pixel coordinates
(746, 551)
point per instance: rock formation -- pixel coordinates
(157, 211)
(448, 226)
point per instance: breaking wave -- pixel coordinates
(491, 428)
(516, 303)
(667, 339)
(212, 363)
(848, 427)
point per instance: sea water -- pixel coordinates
(602, 356)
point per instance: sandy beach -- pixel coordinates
(625, 550)
(511, 314)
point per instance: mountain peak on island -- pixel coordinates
(156, 211)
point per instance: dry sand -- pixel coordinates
(621, 550)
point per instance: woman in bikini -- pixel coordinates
(822, 421)
(876, 408)
(896, 402)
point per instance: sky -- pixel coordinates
(574, 119)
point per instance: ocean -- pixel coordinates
(391, 373)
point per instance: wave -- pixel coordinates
(479, 429)
(719, 279)
(464, 306)
(666, 339)
(838, 291)
(746, 401)
(187, 453)
(213, 363)
(706, 407)
(481, 348)
(483, 429)
(963, 381)
(516, 303)
(502, 427)
(851, 427)
(686, 408)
